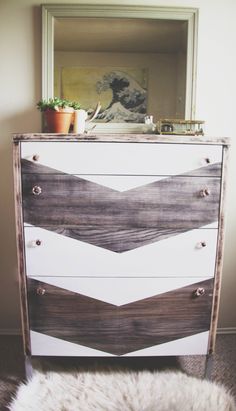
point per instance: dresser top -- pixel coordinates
(142, 138)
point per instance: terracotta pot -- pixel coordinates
(57, 121)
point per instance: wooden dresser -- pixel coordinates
(120, 241)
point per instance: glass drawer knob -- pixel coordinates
(201, 244)
(41, 291)
(36, 190)
(199, 292)
(205, 192)
(34, 243)
(35, 157)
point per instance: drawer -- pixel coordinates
(121, 158)
(189, 254)
(163, 313)
(177, 202)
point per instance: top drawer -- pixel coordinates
(122, 158)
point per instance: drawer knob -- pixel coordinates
(35, 243)
(208, 160)
(199, 292)
(41, 291)
(35, 157)
(201, 244)
(205, 192)
(36, 190)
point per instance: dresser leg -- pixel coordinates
(208, 366)
(28, 367)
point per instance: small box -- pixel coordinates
(180, 127)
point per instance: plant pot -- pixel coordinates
(57, 121)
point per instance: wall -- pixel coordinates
(163, 75)
(20, 76)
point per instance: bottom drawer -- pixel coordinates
(119, 316)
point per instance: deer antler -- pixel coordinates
(95, 113)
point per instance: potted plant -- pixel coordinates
(57, 114)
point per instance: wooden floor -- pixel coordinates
(12, 364)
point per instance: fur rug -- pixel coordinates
(120, 391)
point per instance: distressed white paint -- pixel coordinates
(177, 256)
(42, 344)
(194, 345)
(119, 291)
(109, 158)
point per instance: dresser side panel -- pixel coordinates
(20, 246)
(219, 254)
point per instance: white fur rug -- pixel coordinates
(120, 391)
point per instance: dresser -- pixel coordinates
(120, 243)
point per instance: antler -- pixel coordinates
(95, 113)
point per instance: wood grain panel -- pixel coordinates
(119, 290)
(220, 252)
(167, 317)
(115, 239)
(20, 247)
(73, 317)
(123, 138)
(119, 330)
(174, 202)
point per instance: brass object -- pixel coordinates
(180, 127)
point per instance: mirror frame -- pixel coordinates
(52, 11)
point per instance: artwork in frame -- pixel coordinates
(122, 91)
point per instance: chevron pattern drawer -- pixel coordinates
(120, 244)
(59, 251)
(111, 158)
(118, 329)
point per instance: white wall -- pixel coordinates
(20, 74)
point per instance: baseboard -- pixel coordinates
(226, 330)
(10, 331)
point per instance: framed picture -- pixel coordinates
(122, 91)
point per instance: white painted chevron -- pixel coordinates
(42, 344)
(194, 345)
(177, 256)
(121, 183)
(119, 291)
(121, 158)
(50, 346)
(211, 225)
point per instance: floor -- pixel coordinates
(12, 364)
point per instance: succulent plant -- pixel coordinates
(57, 104)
